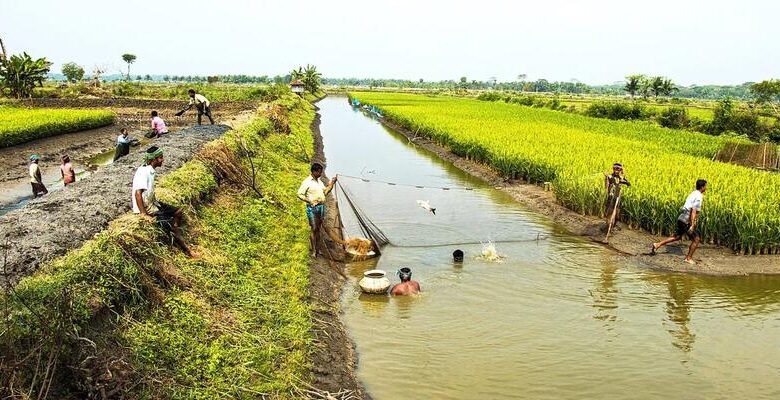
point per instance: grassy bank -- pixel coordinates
(574, 151)
(19, 125)
(127, 314)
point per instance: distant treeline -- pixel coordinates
(741, 92)
(542, 85)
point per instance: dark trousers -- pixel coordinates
(204, 110)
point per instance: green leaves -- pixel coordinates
(20, 74)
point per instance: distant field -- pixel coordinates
(19, 125)
(573, 151)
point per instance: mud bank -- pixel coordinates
(334, 358)
(710, 259)
(50, 226)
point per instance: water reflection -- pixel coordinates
(678, 311)
(605, 294)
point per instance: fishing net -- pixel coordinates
(373, 237)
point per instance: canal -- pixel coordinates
(556, 317)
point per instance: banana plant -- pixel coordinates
(21, 73)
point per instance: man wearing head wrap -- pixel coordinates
(407, 285)
(612, 183)
(36, 181)
(146, 205)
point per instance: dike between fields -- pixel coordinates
(126, 315)
(710, 259)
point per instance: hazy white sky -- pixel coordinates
(595, 41)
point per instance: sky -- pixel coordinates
(592, 41)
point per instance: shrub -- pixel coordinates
(610, 110)
(674, 117)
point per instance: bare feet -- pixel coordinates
(653, 248)
(690, 261)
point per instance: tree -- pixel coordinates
(766, 92)
(668, 87)
(147, 77)
(20, 73)
(633, 83)
(212, 79)
(656, 84)
(311, 79)
(129, 59)
(72, 71)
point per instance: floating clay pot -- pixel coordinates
(374, 282)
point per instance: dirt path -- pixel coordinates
(49, 226)
(711, 260)
(334, 356)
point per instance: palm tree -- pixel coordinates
(129, 59)
(668, 87)
(632, 84)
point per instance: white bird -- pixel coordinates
(426, 206)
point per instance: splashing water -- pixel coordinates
(490, 253)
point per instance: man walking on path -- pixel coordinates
(201, 103)
(687, 222)
(146, 205)
(36, 181)
(313, 193)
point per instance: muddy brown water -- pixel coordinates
(558, 317)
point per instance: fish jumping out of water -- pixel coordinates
(426, 206)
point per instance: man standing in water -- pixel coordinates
(36, 181)
(67, 171)
(201, 104)
(146, 205)
(313, 193)
(687, 221)
(407, 285)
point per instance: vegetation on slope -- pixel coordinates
(127, 314)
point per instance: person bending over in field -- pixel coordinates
(201, 104)
(38, 189)
(407, 285)
(122, 145)
(687, 222)
(313, 192)
(146, 205)
(158, 126)
(67, 172)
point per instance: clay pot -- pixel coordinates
(375, 282)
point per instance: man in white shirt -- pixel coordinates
(313, 193)
(201, 103)
(146, 205)
(687, 221)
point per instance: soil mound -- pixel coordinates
(50, 226)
